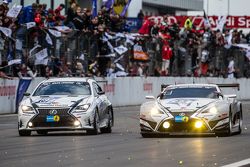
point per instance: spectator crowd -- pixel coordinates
(86, 45)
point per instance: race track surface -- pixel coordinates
(123, 147)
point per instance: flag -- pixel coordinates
(206, 20)
(33, 50)
(119, 66)
(221, 22)
(55, 33)
(48, 39)
(23, 85)
(121, 49)
(139, 54)
(62, 28)
(125, 8)
(41, 57)
(108, 3)
(94, 8)
(15, 61)
(30, 25)
(14, 11)
(110, 46)
(7, 32)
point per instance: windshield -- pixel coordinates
(202, 92)
(63, 88)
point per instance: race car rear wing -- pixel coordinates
(233, 85)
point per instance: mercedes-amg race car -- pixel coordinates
(66, 104)
(191, 109)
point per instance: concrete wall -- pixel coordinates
(227, 7)
(126, 91)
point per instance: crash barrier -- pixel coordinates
(126, 91)
(42, 47)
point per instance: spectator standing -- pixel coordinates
(231, 69)
(71, 14)
(166, 55)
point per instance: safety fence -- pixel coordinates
(65, 52)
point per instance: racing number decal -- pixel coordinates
(56, 118)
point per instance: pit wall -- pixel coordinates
(125, 91)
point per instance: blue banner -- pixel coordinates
(94, 8)
(21, 89)
(133, 24)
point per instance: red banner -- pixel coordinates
(198, 21)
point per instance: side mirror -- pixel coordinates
(26, 94)
(101, 93)
(231, 96)
(150, 97)
(218, 94)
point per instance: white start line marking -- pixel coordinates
(238, 164)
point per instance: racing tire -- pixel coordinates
(240, 121)
(42, 132)
(94, 131)
(108, 129)
(228, 131)
(24, 132)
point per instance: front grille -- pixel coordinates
(46, 111)
(66, 120)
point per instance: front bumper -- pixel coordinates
(175, 127)
(63, 120)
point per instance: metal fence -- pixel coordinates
(76, 47)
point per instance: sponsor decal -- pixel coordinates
(183, 103)
(7, 90)
(109, 88)
(48, 100)
(148, 87)
(52, 118)
(181, 119)
(231, 21)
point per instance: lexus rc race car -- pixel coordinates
(191, 109)
(66, 104)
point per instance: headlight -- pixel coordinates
(82, 108)
(27, 109)
(212, 110)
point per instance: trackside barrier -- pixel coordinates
(125, 91)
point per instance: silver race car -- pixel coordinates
(191, 109)
(66, 104)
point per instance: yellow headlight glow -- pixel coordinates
(166, 125)
(198, 124)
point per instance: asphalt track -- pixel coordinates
(123, 147)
